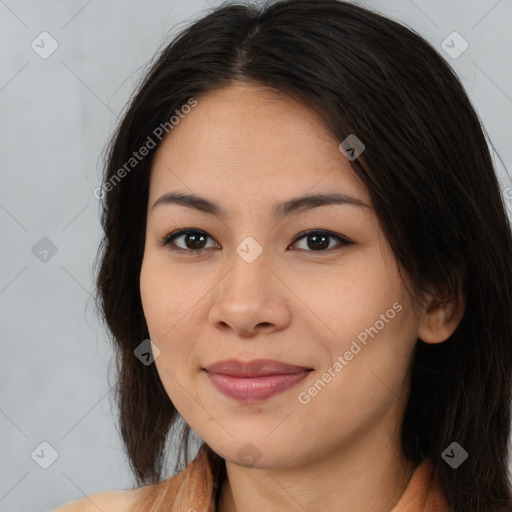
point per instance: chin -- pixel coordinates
(256, 454)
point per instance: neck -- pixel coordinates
(367, 475)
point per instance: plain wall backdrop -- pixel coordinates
(57, 111)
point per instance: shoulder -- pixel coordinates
(113, 501)
(195, 480)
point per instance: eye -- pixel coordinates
(194, 240)
(318, 241)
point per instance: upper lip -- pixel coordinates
(254, 368)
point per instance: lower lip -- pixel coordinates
(254, 389)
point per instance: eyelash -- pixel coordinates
(169, 239)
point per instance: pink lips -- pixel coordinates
(254, 381)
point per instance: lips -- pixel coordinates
(254, 381)
(255, 368)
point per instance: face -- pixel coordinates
(314, 286)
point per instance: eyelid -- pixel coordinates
(169, 238)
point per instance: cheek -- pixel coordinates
(351, 297)
(162, 302)
(166, 295)
(362, 379)
(153, 298)
(365, 319)
(169, 299)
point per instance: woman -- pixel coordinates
(301, 214)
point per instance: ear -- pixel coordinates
(440, 318)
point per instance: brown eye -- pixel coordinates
(319, 241)
(192, 240)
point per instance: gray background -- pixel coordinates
(56, 115)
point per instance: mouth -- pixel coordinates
(254, 381)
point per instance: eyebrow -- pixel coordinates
(279, 210)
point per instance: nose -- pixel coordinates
(251, 299)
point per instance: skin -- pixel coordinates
(247, 147)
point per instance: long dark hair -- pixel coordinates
(430, 176)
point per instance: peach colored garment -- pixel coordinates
(192, 490)
(423, 494)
